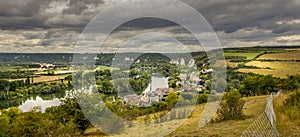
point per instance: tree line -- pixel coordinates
(19, 88)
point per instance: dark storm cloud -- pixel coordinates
(28, 14)
(17, 8)
(232, 15)
(60, 22)
(146, 23)
(224, 15)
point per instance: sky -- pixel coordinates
(42, 26)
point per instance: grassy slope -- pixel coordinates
(253, 108)
(285, 126)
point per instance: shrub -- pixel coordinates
(4, 126)
(202, 98)
(231, 107)
(187, 96)
(293, 99)
(292, 105)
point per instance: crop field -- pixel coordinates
(248, 55)
(232, 64)
(277, 69)
(288, 56)
(293, 49)
(43, 79)
(228, 64)
(106, 68)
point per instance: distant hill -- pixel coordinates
(37, 57)
(106, 58)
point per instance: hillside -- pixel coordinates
(254, 106)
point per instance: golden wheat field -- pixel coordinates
(42, 79)
(288, 56)
(277, 69)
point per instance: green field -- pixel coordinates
(248, 55)
(277, 69)
(106, 68)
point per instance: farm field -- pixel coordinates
(232, 64)
(43, 79)
(293, 49)
(228, 64)
(248, 55)
(277, 69)
(287, 56)
(254, 106)
(106, 68)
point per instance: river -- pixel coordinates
(27, 104)
(46, 101)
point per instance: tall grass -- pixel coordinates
(287, 111)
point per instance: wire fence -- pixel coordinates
(264, 125)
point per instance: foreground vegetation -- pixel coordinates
(64, 120)
(288, 113)
(254, 106)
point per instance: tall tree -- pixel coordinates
(4, 85)
(27, 81)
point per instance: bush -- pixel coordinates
(231, 107)
(214, 98)
(4, 126)
(15, 95)
(292, 105)
(293, 99)
(202, 98)
(187, 96)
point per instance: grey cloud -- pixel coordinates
(224, 15)
(78, 6)
(24, 8)
(28, 14)
(59, 22)
(233, 15)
